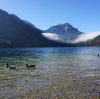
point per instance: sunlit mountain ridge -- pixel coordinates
(62, 32)
(68, 34)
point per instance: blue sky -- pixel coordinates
(82, 14)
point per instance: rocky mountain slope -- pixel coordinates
(16, 33)
(66, 32)
(93, 42)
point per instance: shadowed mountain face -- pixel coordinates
(66, 32)
(14, 32)
(29, 23)
(93, 42)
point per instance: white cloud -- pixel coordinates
(80, 38)
(85, 37)
(51, 36)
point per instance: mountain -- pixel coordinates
(96, 41)
(66, 32)
(15, 32)
(93, 42)
(29, 23)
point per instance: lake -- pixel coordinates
(75, 70)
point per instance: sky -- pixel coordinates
(81, 14)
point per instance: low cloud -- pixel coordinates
(52, 36)
(80, 38)
(85, 37)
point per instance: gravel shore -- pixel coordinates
(71, 88)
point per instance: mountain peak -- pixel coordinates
(62, 28)
(65, 31)
(65, 24)
(68, 27)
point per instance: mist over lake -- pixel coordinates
(65, 71)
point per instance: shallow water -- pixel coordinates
(53, 66)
